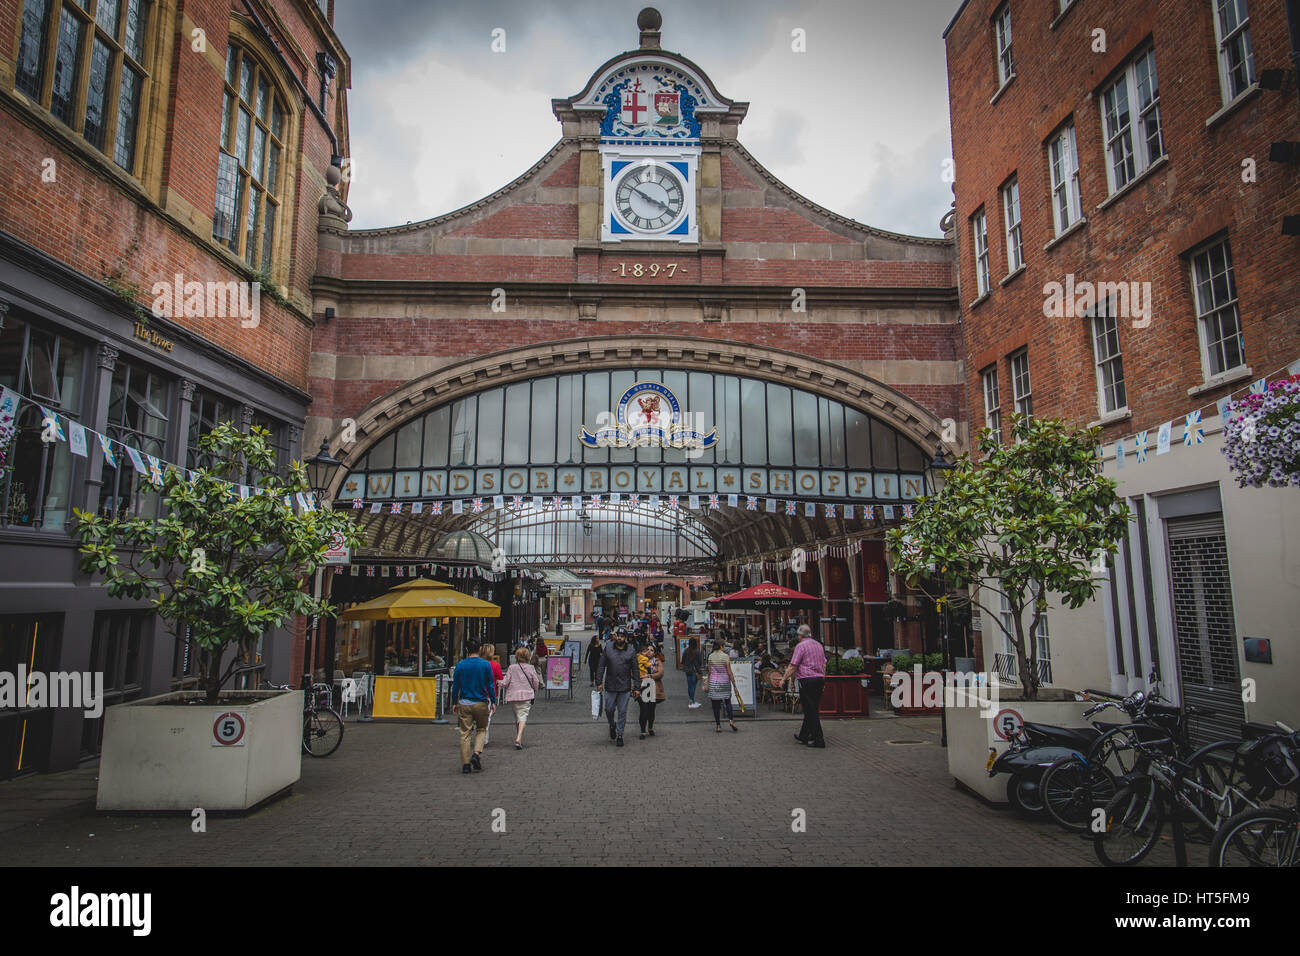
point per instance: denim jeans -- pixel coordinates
(692, 679)
(617, 701)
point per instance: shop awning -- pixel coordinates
(765, 597)
(565, 580)
(421, 598)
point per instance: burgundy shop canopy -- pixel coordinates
(765, 597)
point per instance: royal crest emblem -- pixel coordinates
(647, 414)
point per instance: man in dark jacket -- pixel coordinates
(616, 679)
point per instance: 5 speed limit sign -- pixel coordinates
(228, 730)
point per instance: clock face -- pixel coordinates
(649, 198)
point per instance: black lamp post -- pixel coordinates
(320, 470)
(939, 469)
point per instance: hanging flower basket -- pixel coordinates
(1261, 436)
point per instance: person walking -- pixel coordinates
(721, 680)
(615, 679)
(489, 653)
(650, 663)
(474, 690)
(692, 664)
(808, 665)
(593, 657)
(520, 686)
(539, 657)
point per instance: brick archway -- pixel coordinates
(423, 394)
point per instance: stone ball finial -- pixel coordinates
(649, 19)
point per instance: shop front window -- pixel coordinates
(35, 475)
(138, 412)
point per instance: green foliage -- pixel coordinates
(226, 567)
(1028, 520)
(268, 287)
(845, 665)
(928, 662)
(129, 293)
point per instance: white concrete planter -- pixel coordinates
(160, 756)
(970, 736)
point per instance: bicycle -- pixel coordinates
(1135, 815)
(1270, 835)
(322, 727)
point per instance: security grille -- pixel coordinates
(1205, 629)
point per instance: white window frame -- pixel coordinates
(1063, 167)
(1002, 44)
(1214, 308)
(1226, 38)
(1004, 612)
(1011, 217)
(1023, 401)
(992, 401)
(1104, 325)
(980, 228)
(1127, 123)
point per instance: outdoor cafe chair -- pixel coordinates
(348, 694)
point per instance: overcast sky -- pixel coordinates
(857, 123)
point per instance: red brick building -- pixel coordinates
(461, 356)
(146, 145)
(1123, 262)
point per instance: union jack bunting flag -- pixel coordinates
(674, 502)
(396, 509)
(1140, 447)
(52, 419)
(435, 507)
(751, 503)
(868, 512)
(370, 570)
(401, 572)
(907, 511)
(597, 501)
(476, 506)
(155, 470)
(557, 503)
(634, 500)
(714, 503)
(1193, 431)
(356, 504)
(517, 502)
(789, 507)
(830, 511)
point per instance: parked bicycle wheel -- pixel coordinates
(1215, 768)
(1071, 788)
(1133, 820)
(1268, 836)
(322, 732)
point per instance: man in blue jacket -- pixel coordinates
(474, 693)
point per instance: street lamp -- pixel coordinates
(938, 469)
(320, 471)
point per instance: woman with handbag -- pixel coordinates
(721, 681)
(520, 686)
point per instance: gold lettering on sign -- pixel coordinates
(459, 482)
(780, 482)
(912, 487)
(146, 334)
(540, 480)
(433, 482)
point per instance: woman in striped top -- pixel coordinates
(721, 680)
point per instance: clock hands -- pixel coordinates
(650, 199)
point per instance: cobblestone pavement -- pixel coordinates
(394, 794)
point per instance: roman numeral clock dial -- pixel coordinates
(649, 198)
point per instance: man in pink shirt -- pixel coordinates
(808, 664)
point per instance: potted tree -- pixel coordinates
(227, 561)
(1029, 521)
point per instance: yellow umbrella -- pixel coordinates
(421, 598)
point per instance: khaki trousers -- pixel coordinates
(473, 729)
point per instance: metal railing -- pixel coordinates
(1006, 666)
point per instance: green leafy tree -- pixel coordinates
(226, 567)
(1029, 520)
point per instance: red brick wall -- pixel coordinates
(1144, 233)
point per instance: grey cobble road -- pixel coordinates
(394, 794)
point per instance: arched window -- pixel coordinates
(249, 167)
(83, 62)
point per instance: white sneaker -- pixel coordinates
(692, 706)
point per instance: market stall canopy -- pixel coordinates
(765, 597)
(420, 599)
